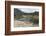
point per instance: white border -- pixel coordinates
(25, 28)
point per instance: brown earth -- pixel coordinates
(22, 23)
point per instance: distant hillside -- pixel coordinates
(35, 13)
(19, 12)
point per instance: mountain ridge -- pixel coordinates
(19, 12)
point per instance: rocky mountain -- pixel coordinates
(19, 12)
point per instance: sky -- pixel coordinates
(28, 10)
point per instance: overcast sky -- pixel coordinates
(28, 10)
